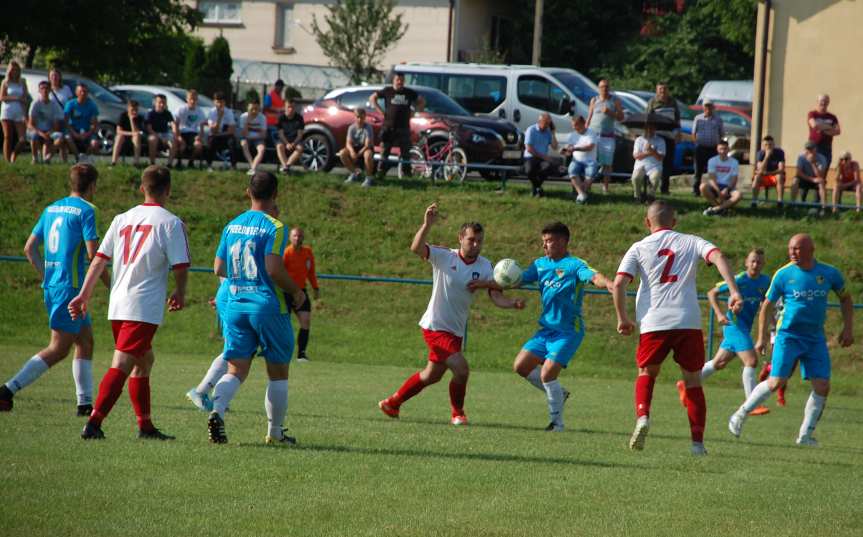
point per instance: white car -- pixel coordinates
(145, 94)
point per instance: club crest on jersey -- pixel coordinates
(819, 279)
(474, 275)
(560, 272)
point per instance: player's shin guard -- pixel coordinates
(28, 374)
(82, 372)
(139, 394)
(110, 390)
(749, 381)
(643, 395)
(696, 410)
(276, 404)
(412, 386)
(456, 397)
(554, 394)
(224, 391)
(812, 413)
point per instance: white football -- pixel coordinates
(507, 273)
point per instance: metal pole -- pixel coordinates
(537, 32)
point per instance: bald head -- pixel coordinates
(660, 214)
(297, 236)
(801, 250)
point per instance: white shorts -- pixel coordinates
(12, 112)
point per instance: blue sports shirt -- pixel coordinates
(753, 290)
(62, 228)
(81, 115)
(246, 241)
(804, 294)
(561, 284)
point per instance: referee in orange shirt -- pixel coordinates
(300, 263)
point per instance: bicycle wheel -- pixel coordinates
(455, 165)
(419, 166)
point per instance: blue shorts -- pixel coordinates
(57, 303)
(245, 332)
(559, 347)
(582, 169)
(736, 340)
(810, 350)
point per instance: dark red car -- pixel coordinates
(484, 140)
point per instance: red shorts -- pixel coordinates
(687, 344)
(768, 181)
(441, 344)
(133, 337)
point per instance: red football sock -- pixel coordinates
(765, 372)
(456, 397)
(139, 393)
(643, 395)
(696, 409)
(412, 386)
(109, 391)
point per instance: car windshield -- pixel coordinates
(439, 103)
(580, 86)
(203, 100)
(97, 92)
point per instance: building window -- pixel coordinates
(220, 12)
(285, 25)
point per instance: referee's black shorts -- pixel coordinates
(307, 304)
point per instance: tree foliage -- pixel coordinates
(357, 34)
(195, 57)
(217, 69)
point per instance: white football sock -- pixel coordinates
(534, 378)
(218, 368)
(32, 370)
(812, 413)
(225, 390)
(707, 370)
(749, 380)
(82, 372)
(276, 404)
(759, 394)
(554, 393)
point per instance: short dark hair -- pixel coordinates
(218, 96)
(81, 176)
(398, 74)
(44, 83)
(475, 226)
(558, 229)
(82, 85)
(722, 141)
(133, 103)
(291, 102)
(263, 185)
(156, 180)
(756, 251)
(161, 96)
(767, 138)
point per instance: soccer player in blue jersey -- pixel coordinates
(67, 229)
(737, 328)
(803, 285)
(255, 313)
(561, 278)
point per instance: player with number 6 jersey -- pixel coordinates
(668, 313)
(144, 244)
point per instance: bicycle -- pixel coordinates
(438, 159)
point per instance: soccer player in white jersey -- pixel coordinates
(445, 319)
(144, 244)
(668, 314)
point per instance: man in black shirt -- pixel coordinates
(289, 126)
(397, 118)
(161, 129)
(130, 127)
(769, 170)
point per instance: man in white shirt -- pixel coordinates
(191, 120)
(648, 152)
(222, 125)
(445, 320)
(582, 169)
(720, 189)
(143, 244)
(668, 313)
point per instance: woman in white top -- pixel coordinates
(13, 113)
(253, 128)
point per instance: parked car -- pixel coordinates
(738, 129)
(176, 97)
(684, 150)
(110, 105)
(736, 93)
(485, 140)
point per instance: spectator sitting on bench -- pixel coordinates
(253, 131)
(289, 129)
(161, 130)
(769, 170)
(190, 122)
(82, 116)
(45, 118)
(129, 128)
(359, 149)
(720, 189)
(811, 175)
(847, 178)
(222, 125)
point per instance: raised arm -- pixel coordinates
(418, 246)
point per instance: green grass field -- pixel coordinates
(356, 472)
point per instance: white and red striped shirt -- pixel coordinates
(143, 244)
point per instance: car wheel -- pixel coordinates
(105, 133)
(317, 152)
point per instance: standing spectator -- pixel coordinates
(130, 127)
(604, 110)
(582, 170)
(397, 119)
(538, 163)
(82, 115)
(664, 104)
(359, 149)
(45, 118)
(161, 130)
(253, 131)
(274, 103)
(648, 152)
(222, 125)
(706, 132)
(289, 131)
(300, 264)
(60, 92)
(13, 113)
(190, 122)
(823, 126)
(769, 170)
(720, 189)
(811, 175)
(847, 178)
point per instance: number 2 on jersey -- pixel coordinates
(666, 276)
(128, 234)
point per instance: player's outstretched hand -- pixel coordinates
(431, 215)
(846, 338)
(735, 302)
(760, 347)
(77, 308)
(723, 320)
(473, 285)
(298, 299)
(625, 327)
(176, 301)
